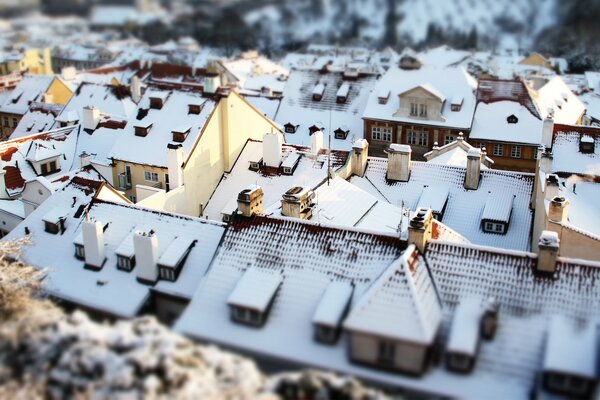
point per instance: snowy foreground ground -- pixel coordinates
(45, 353)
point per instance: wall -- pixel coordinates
(526, 163)
(33, 195)
(172, 201)
(137, 176)
(13, 121)
(576, 244)
(61, 93)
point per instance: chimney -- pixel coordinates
(145, 247)
(473, 169)
(548, 248)
(3, 192)
(212, 84)
(136, 89)
(316, 142)
(420, 228)
(250, 201)
(489, 319)
(399, 161)
(558, 210)
(547, 132)
(272, 150)
(93, 243)
(360, 154)
(85, 159)
(48, 98)
(551, 187)
(175, 165)
(297, 202)
(91, 117)
(68, 73)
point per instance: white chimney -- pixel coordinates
(473, 169)
(91, 117)
(551, 187)
(558, 211)
(93, 243)
(272, 150)
(68, 73)
(174, 165)
(136, 89)
(145, 247)
(360, 154)
(547, 132)
(316, 142)
(548, 248)
(85, 159)
(399, 162)
(212, 84)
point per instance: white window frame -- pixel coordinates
(498, 150)
(150, 175)
(515, 152)
(376, 133)
(386, 134)
(449, 138)
(79, 252)
(414, 109)
(411, 136)
(423, 110)
(423, 138)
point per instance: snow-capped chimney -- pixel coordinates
(68, 73)
(420, 228)
(212, 84)
(399, 162)
(250, 201)
(547, 132)
(360, 154)
(551, 187)
(558, 211)
(489, 319)
(93, 243)
(473, 169)
(91, 117)
(85, 159)
(174, 165)
(272, 150)
(136, 89)
(145, 247)
(316, 142)
(298, 202)
(548, 248)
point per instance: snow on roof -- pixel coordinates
(40, 152)
(491, 123)
(31, 88)
(333, 304)
(402, 304)
(39, 118)
(267, 106)
(14, 207)
(466, 324)
(111, 290)
(298, 108)
(308, 172)
(498, 206)
(454, 154)
(557, 96)
(443, 56)
(152, 149)
(567, 158)
(176, 251)
(571, 350)
(433, 197)
(255, 289)
(429, 88)
(464, 220)
(493, 90)
(448, 83)
(584, 208)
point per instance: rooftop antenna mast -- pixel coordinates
(329, 151)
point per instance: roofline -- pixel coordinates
(489, 249)
(463, 129)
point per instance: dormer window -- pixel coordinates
(194, 108)
(312, 129)
(142, 130)
(464, 337)
(172, 260)
(253, 296)
(290, 128)
(156, 103)
(497, 212)
(330, 312)
(383, 96)
(79, 251)
(342, 93)
(126, 254)
(54, 221)
(48, 168)
(341, 133)
(587, 144)
(181, 133)
(456, 103)
(318, 91)
(512, 119)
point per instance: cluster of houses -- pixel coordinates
(392, 216)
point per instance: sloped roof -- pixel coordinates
(493, 90)
(556, 98)
(30, 89)
(566, 155)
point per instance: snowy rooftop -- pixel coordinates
(567, 158)
(454, 154)
(464, 332)
(29, 90)
(464, 208)
(447, 83)
(491, 122)
(255, 289)
(498, 206)
(39, 118)
(333, 304)
(556, 98)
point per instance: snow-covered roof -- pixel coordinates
(491, 122)
(30, 89)
(466, 325)
(401, 304)
(454, 154)
(176, 251)
(255, 289)
(557, 99)
(333, 304)
(464, 207)
(433, 197)
(498, 206)
(443, 56)
(298, 108)
(39, 118)
(567, 158)
(448, 83)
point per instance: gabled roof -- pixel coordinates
(428, 87)
(454, 154)
(557, 99)
(515, 90)
(402, 304)
(29, 90)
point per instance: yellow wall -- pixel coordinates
(137, 176)
(536, 59)
(33, 60)
(59, 92)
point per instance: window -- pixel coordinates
(167, 274)
(414, 107)
(498, 150)
(386, 352)
(290, 128)
(512, 119)
(515, 152)
(6, 122)
(422, 110)
(15, 122)
(44, 168)
(449, 139)
(79, 252)
(458, 362)
(156, 103)
(376, 133)
(194, 108)
(386, 134)
(246, 316)
(493, 227)
(411, 136)
(151, 176)
(325, 334)
(53, 228)
(52, 166)
(423, 138)
(565, 383)
(125, 263)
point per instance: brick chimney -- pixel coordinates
(298, 202)
(551, 187)
(145, 247)
(360, 154)
(174, 165)
(91, 117)
(93, 243)
(548, 248)
(420, 228)
(473, 169)
(272, 150)
(399, 162)
(547, 132)
(250, 201)
(558, 211)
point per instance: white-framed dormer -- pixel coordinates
(44, 158)
(422, 102)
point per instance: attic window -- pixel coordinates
(456, 103)
(142, 130)
(156, 103)
(331, 310)
(587, 144)
(290, 128)
(194, 108)
(342, 93)
(312, 129)
(383, 96)
(497, 212)
(181, 133)
(54, 221)
(125, 254)
(48, 168)
(172, 260)
(341, 133)
(318, 91)
(512, 119)
(79, 251)
(253, 296)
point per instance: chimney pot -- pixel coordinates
(548, 249)
(175, 165)
(272, 150)
(145, 246)
(250, 201)
(558, 210)
(298, 202)
(473, 173)
(91, 117)
(547, 132)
